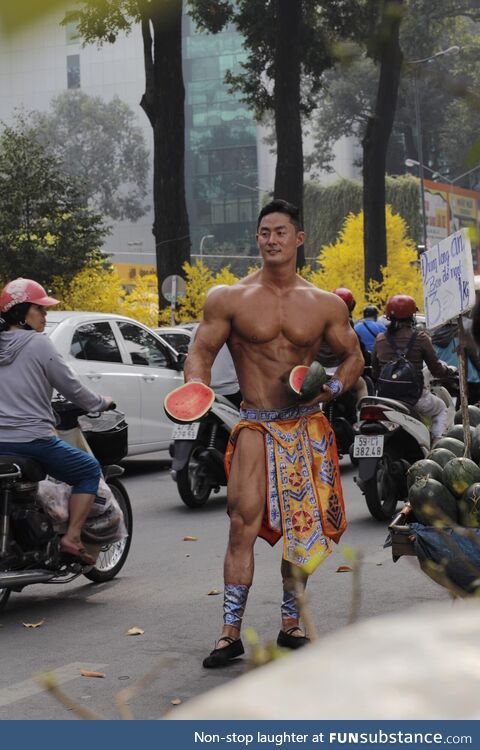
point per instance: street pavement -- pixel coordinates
(164, 590)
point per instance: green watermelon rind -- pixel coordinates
(181, 401)
(428, 494)
(451, 444)
(314, 381)
(473, 416)
(425, 467)
(469, 512)
(459, 474)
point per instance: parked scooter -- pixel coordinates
(342, 415)
(390, 438)
(29, 539)
(198, 451)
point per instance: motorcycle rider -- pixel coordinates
(328, 358)
(400, 310)
(368, 328)
(31, 368)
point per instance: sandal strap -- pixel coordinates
(290, 631)
(226, 638)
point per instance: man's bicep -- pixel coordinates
(341, 338)
(211, 335)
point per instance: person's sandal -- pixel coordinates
(285, 639)
(220, 657)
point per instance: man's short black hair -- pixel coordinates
(282, 207)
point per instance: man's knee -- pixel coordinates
(243, 530)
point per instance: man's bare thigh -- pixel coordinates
(247, 483)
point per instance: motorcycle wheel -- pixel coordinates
(112, 557)
(194, 489)
(4, 597)
(379, 494)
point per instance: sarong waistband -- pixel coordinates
(275, 415)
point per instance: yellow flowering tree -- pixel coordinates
(342, 263)
(199, 280)
(95, 287)
(141, 302)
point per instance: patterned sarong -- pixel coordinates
(304, 494)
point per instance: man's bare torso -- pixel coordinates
(273, 330)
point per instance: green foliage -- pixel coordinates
(449, 106)
(46, 228)
(325, 208)
(99, 142)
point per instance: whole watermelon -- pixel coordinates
(476, 445)
(432, 503)
(473, 414)
(441, 456)
(459, 474)
(456, 446)
(469, 506)
(424, 468)
(458, 432)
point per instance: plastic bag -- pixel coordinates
(105, 523)
(456, 552)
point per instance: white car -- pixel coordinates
(119, 357)
(177, 337)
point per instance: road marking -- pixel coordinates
(27, 688)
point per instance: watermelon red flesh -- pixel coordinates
(189, 402)
(296, 378)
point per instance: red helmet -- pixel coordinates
(401, 306)
(24, 290)
(347, 296)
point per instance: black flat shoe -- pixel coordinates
(287, 640)
(220, 657)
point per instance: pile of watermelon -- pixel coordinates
(444, 487)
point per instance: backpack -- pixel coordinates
(399, 379)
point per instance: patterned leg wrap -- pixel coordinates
(289, 607)
(234, 601)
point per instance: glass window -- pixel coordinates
(72, 35)
(179, 341)
(144, 349)
(95, 342)
(73, 71)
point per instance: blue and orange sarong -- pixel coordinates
(304, 500)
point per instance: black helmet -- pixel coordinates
(370, 311)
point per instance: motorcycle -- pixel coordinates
(390, 438)
(198, 451)
(29, 538)
(342, 415)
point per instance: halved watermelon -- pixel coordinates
(296, 378)
(189, 402)
(307, 382)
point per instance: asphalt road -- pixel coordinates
(164, 589)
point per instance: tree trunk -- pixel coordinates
(163, 103)
(288, 125)
(375, 141)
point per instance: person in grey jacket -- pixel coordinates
(30, 368)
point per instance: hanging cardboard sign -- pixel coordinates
(448, 279)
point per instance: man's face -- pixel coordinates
(277, 239)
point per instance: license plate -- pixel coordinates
(185, 431)
(368, 446)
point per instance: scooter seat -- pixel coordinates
(30, 469)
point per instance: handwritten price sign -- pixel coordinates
(447, 272)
